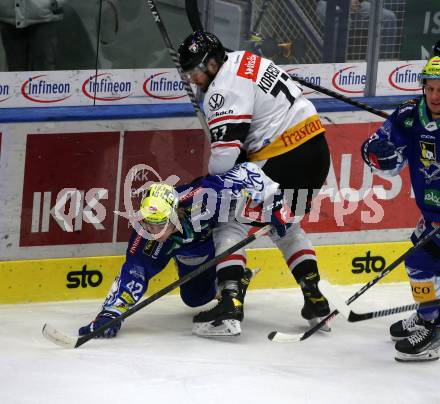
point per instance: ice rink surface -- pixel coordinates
(155, 359)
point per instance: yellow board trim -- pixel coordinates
(46, 280)
(290, 139)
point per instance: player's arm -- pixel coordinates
(127, 288)
(229, 126)
(258, 196)
(385, 150)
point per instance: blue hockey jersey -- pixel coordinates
(417, 137)
(201, 205)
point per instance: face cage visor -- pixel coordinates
(192, 73)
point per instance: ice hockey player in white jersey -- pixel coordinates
(411, 136)
(256, 113)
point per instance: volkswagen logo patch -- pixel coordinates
(215, 102)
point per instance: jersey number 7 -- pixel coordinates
(281, 86)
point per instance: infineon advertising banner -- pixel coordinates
(153, 86)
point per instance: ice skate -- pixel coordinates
(422, 345)
(315, 304)
(224, 319)
(405, 328)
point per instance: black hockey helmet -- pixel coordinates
(198, 48)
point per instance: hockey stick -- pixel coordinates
(175, 58)
(284, 337)
(263, 9)
(192, 12)
(333, 297)
(341, 97)
(66, 341)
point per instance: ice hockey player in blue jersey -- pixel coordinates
(184, 224)
(411, 136)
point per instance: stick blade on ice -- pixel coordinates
(58, 338)
(277, 336)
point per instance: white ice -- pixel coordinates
(155, 359)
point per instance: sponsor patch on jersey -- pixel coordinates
(249, 66)
(135, 244)
(126, 297)
(432, 197)
(152, 248)
(219, 114)
(408, 123)
(290, 139)
(427, 153)
(190, 194)
(137, 271)
(216, 101)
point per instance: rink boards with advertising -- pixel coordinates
(69, 142)
(91, 277)
(63, 181)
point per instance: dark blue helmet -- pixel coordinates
(198, 48)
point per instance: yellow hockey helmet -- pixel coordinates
(159, 204)
(431, 71)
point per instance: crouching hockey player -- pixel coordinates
(186, 224)
(411, 135)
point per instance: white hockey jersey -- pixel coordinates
(254, 105)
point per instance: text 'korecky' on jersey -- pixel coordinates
(269, 78)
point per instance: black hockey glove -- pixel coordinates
(102, 318)
(380, 154)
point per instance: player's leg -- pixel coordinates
(201, 289)
(301, 174)
(422, 332)
(232, 279)
(301, 260)
(404, 328)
